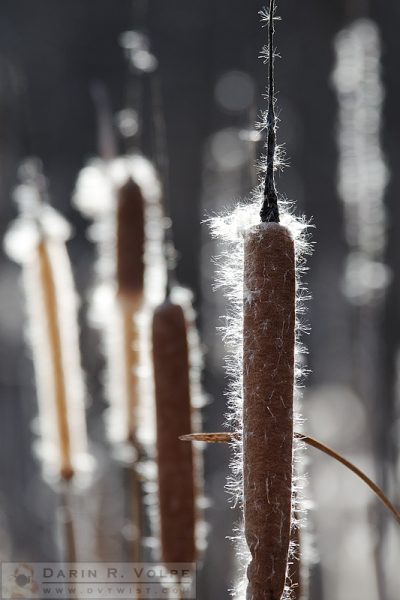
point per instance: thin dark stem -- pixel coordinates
(226, 438)
(270, 211)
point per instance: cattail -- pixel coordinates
(178, 475)
(39, 244)
(260, 269)
(123, 198)
(130, 282)
(49, 298)
(268, 379)
(130, 241)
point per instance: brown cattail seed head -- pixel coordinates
(130, 239)
(268, 381)
(174, 418)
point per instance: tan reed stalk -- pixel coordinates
(268, 382)
(60, 395)
(176, 463)
(37, 241)
(50, 306)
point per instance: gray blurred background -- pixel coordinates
(212, 84)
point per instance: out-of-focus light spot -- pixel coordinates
(335, 414)
(134, 40)
(250, 135)
(227, 150)
(137, 48)
(235, 91)
(365, 280)
(127, 122)
(142, 60)
(363, 172)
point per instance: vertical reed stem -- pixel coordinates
(50, 303)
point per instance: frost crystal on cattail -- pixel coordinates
(122, 312)
(37, 241)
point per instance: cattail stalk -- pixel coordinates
(39, 244)
(268, 381)
(176, 473)
(55, 343)
(49, 272)
(37, 241)
(130, 269)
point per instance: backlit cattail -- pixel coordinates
(268, 379)
(123, 198)
(176, 399)
(37, 241)
(130, 241)
(260, 268)
(130, 282)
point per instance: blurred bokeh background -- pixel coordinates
(338, 97)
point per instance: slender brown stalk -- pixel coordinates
(375, 488)
(60, 392)
(268, 381)
(225, 438)
(176, 477)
